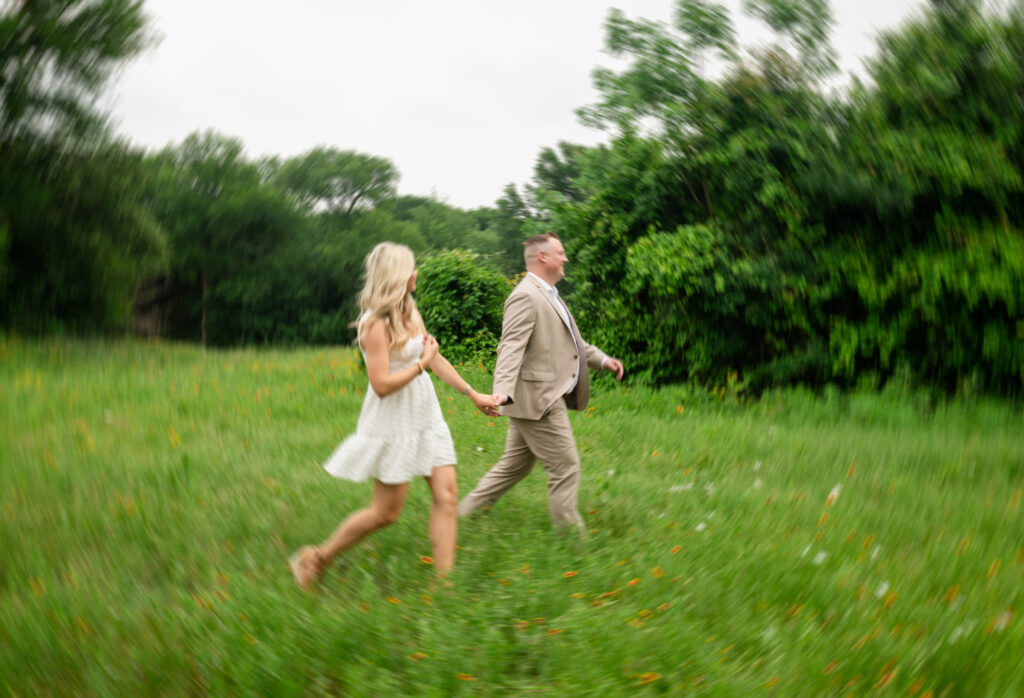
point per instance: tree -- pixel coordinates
(55, 59)
(74, 238)
(329, 180)
(226, 224)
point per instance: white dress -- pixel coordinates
(398, 436)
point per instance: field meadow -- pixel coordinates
(796, 545)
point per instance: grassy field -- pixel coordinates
(794, 546)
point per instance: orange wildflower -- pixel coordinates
(676, 549)
(426, 560)
(417, 656)
(633, 582)
(648, 677)
(571, 573)
(465, 677)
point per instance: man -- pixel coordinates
(540, 374)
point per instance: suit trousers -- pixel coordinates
(548, 439)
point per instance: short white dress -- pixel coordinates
(398, 436)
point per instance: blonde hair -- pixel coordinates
(535, 243)
(386, 294)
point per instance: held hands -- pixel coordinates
(488, 404)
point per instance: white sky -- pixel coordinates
(460, 94)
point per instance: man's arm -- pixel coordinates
(516, 329)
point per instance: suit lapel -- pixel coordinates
(554, 306)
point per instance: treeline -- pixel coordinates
(744, 224)
(754, 228)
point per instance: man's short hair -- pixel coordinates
(535, 243)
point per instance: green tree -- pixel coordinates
(226, 224)
(55, 59)
(330, 180)
(74, 238)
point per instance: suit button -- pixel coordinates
(574, 375)
(575, 356)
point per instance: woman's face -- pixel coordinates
(411, 286)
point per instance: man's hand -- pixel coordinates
(615, 366)
(500, 399)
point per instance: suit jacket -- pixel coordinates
(537, 357)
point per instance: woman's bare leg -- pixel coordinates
(383, 511)
(445, 490)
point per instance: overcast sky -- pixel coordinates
(460, 94)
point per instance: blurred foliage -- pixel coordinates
(74, 236)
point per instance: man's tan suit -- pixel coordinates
(539, 361)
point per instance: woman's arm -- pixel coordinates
(444, 370)
(375, 342)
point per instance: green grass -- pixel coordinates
(150, 494)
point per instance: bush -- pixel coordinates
(462, 301)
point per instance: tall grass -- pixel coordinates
(796, 545)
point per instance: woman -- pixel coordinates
(400, 433)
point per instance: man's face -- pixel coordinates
(553, 259)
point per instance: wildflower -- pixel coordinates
(648, 677)
(833, 495)
(417, 656)
(426, 560)
(820, 557)
(571, 573)
(392, 599)
(657, 572)
(465, 677)
(553, 631)
(700, 527)
(633, 582)
(676, 549)
(664, 607)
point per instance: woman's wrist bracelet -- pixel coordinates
(467, 390)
